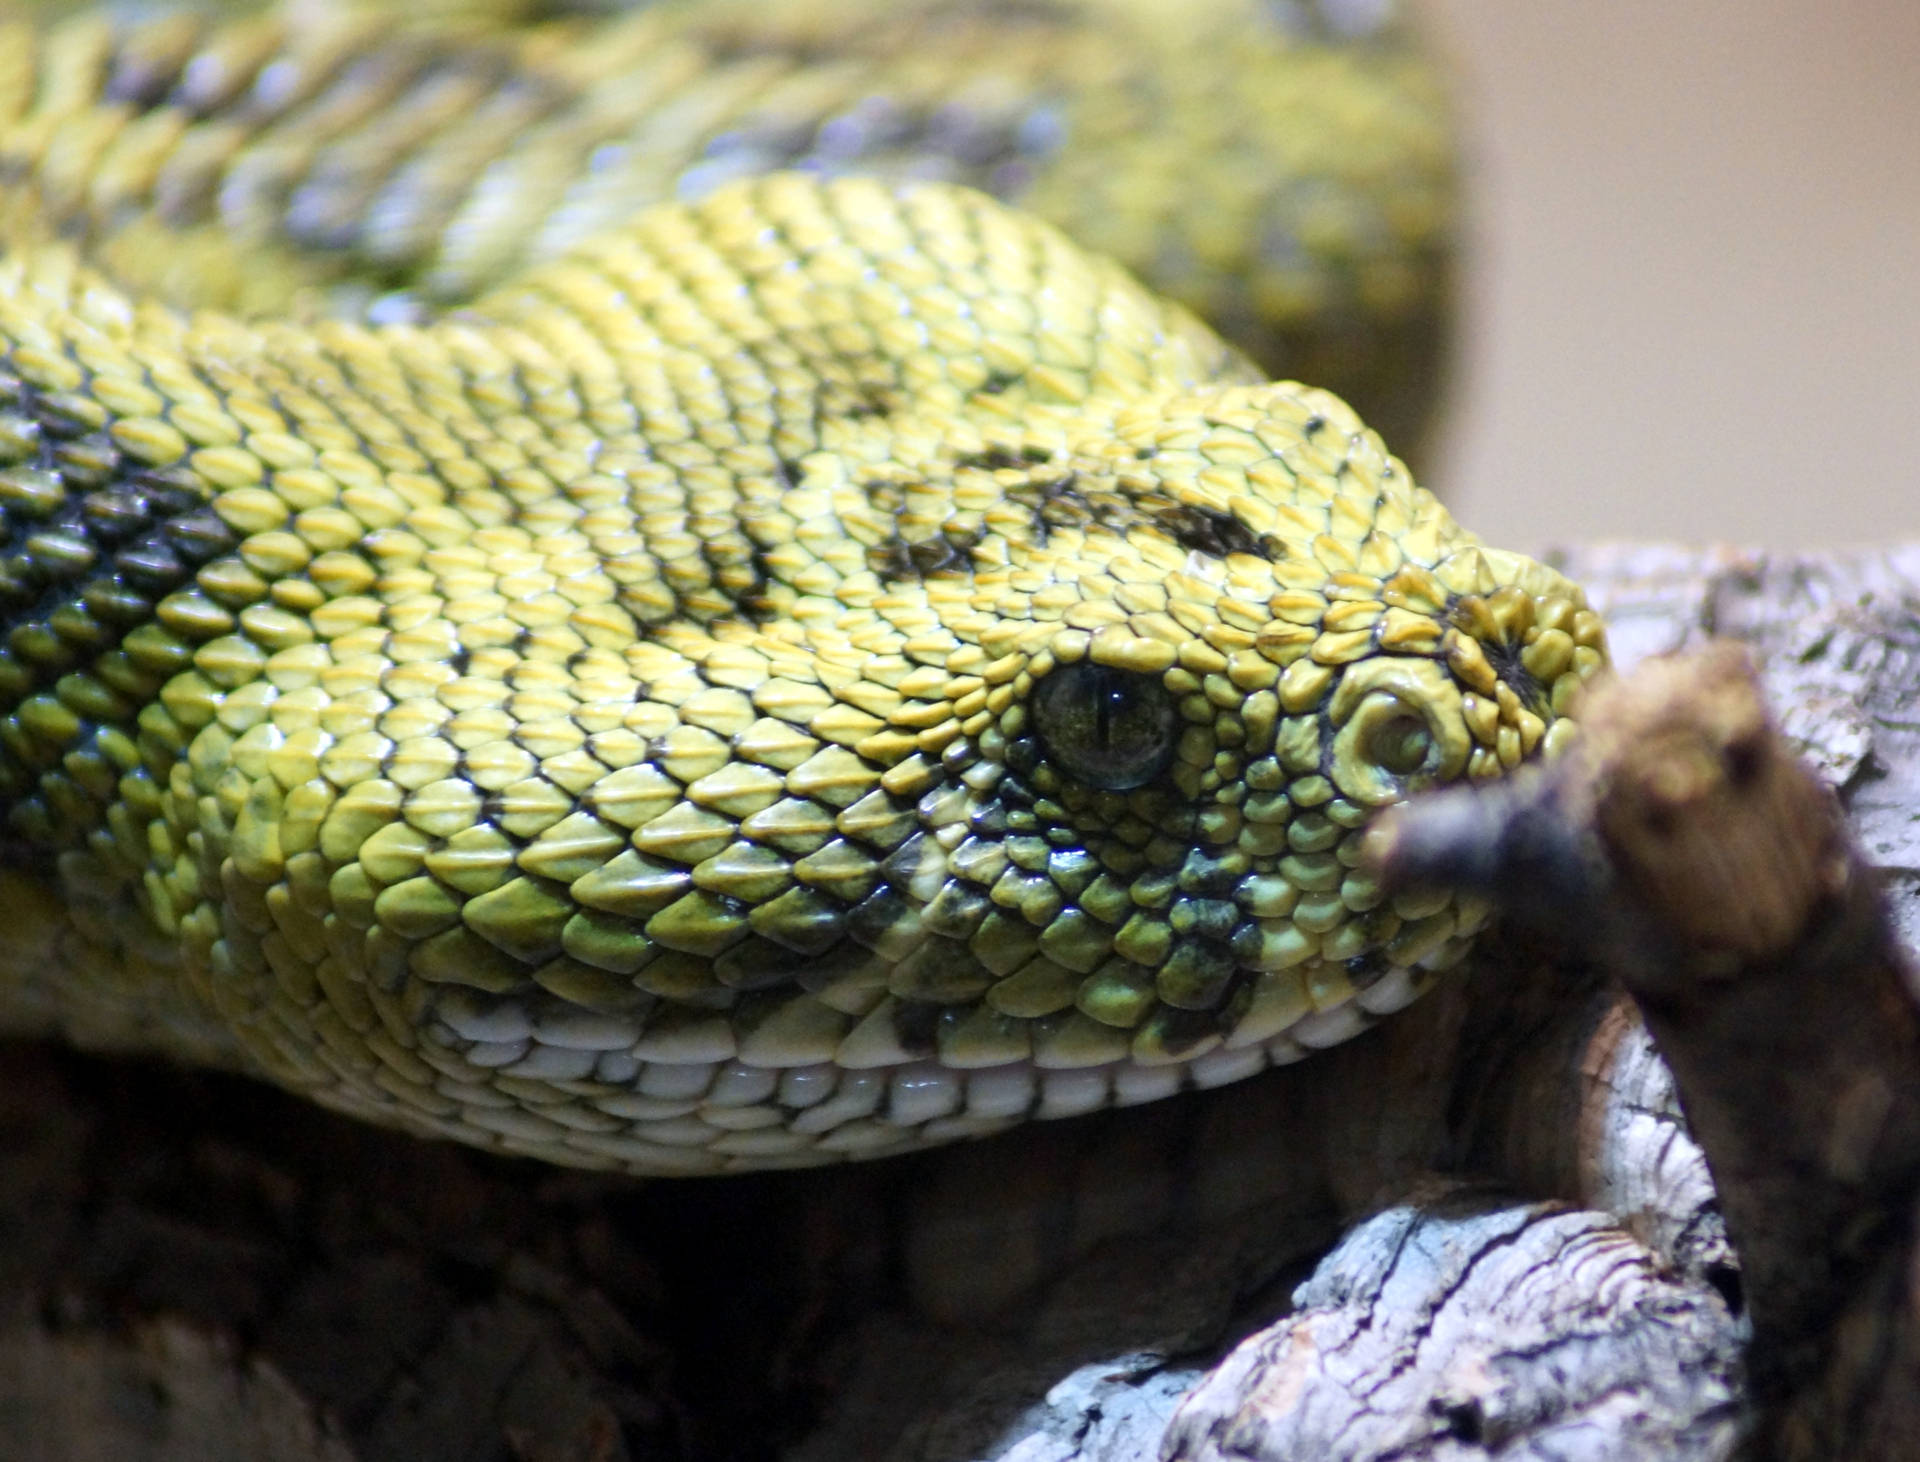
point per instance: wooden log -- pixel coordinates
(1684, 847)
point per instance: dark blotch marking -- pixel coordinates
(200, 537)
(946, 551)
(98, 543)
(88, 545)
(1057, 496)
(1212, 531)
(1063, 501)
(999, 459)
(896, 558)
(1054, 499)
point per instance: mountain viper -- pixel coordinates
(572, 585)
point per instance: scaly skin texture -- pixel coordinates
(1287, 175)
(822, 670)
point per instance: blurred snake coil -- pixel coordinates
(575, 582)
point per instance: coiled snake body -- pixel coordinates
(797, 674)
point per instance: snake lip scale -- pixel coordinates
(797, 673)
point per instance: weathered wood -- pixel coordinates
(1455, 1326)
(1684, 847)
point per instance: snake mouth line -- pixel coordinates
(718, 1116)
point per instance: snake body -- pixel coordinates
(818, 669)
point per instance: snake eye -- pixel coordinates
(1109, 728)
(1399, 743)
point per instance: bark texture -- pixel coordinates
(1454, 1327)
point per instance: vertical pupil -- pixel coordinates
(1111, 701)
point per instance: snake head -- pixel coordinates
(1275, 636)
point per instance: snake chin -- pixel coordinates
(697, 1117)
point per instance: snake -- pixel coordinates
(654, 590)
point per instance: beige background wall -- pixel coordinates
(1693, 299)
